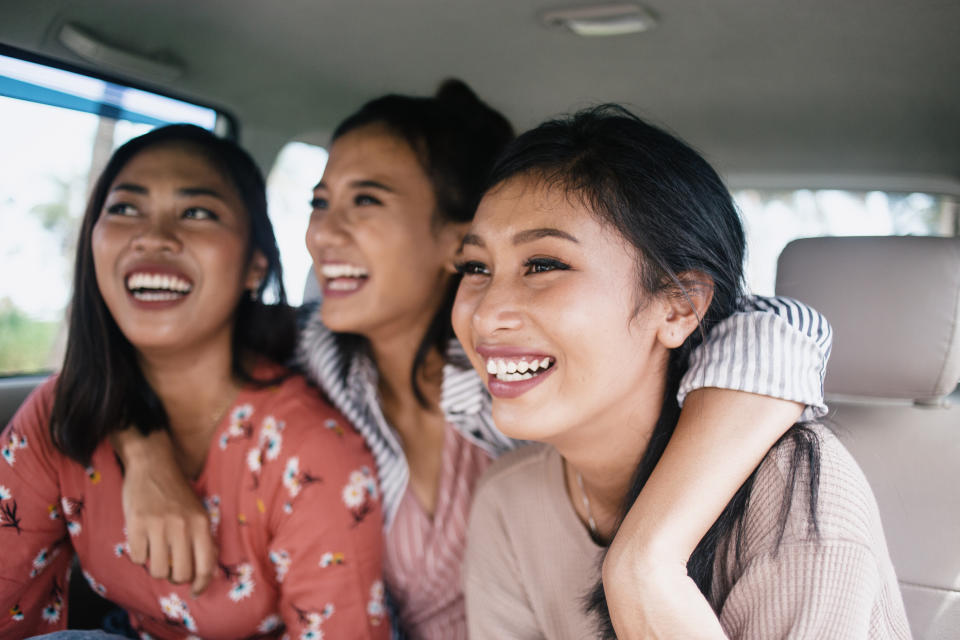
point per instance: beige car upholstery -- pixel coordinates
(894, 304)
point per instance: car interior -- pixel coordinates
(835, 124)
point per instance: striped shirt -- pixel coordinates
(775, 347)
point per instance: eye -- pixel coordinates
(364, 200)
(199, 213)
(319, 204)
(472, 268)
(542, 265)
(122, 209)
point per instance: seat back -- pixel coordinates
(894, 304)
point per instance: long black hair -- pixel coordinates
(670, 204)
(101, 388)
(456, 137)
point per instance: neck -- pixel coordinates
(605, 454)
(196, 387)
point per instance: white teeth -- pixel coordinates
(343, 285)
(157, 282)
(158, 296)
(513, 370)
(332, 271)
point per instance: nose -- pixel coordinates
(326, 229)
(157, 235)
(498, 307)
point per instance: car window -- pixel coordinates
(773, 218)
(297, 169)
(58, 129)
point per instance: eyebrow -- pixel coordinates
(360, 184)
(522, 237)
(186, 191)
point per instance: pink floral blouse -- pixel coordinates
(293, 506)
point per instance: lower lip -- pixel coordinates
(331, 292)
(156, 305)
(513, 389)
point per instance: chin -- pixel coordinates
(521, 424)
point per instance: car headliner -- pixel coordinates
(827, 87)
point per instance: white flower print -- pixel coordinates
(9, 450)
(74, 528)
(291, 476)
(375, 607)
(40, 562)
(330, 558)
(254, 460)
(353, 496)
(270, 623)
(241, 413)
(50, 613)
(176, 610)
(281, 562)
(96, 586)
(5, 493)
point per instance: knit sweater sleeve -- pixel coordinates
(832, 581)
(775, 347)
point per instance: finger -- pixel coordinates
(205, 558)
(158, 552)
(181, 554)
(137, 544)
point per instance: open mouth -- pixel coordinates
(515, 370)
(157, 287)
(343, 277)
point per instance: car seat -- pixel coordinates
(894, 304)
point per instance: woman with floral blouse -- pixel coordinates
(168, 333)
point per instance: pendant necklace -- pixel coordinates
(586, 506)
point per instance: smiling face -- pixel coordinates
(170, 250)
(380, 258)
(545, 312)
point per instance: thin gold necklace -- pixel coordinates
(586, 505)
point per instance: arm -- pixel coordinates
(327, 545)
(37, 550)
(165, 520)
(777, 348)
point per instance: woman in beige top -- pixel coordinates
(602, 253)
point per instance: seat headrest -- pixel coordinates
(894, 304)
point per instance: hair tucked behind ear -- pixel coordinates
(671, 205)
(101, 388)
(456, 137)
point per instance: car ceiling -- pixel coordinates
(864, 87)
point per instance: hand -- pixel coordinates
(166, 523)
(720, 438)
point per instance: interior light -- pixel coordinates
(90, 48)
(602, 19)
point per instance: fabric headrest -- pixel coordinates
(894, 304)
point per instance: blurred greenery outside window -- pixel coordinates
(58, 129)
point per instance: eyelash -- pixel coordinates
(125, 209)
(533, 266)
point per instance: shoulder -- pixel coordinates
(845, 505)
(301, 410)
(32, 419)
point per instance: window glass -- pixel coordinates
(58, 130)
(773, 218)
(289, 189)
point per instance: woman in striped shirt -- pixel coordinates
(401, 185)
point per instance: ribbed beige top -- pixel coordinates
(530, 561)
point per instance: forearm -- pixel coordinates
(719, 440)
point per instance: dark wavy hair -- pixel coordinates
(670, 204)
(101, 388)
(456, 137)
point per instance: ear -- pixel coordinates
(256, 271)
(683, 308)
(451, 237)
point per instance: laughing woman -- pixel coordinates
(166, 332)
(603, 252)
(399, 190)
